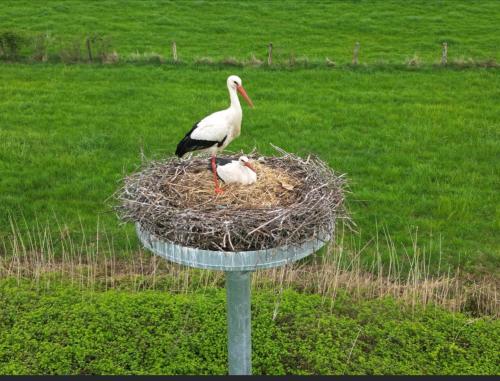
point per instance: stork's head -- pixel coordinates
(234, 83)
(245, 162)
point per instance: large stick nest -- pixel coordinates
(293, 200)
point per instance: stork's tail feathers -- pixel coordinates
(181, 149)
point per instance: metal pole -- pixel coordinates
(239, 339)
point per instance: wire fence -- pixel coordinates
(98, 49)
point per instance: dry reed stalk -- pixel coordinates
(87, 264)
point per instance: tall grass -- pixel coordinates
(47, 254)
(70, 133)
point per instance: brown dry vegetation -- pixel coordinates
(91, 262)
(195, 188)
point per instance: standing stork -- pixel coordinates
(217, 130)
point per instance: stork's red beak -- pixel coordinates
(247, 164)
(243, 93)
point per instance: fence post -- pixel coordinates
(355, 54)
(270, 54)
(89, 48)
(174, 51)
(444, 55)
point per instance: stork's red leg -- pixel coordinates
(216, 180)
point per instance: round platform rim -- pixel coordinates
(229, 260)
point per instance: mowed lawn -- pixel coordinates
(389, 31)
(420, 148)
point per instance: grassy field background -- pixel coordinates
(389, 31)
(419, 148)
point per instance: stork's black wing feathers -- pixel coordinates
(223, 160)
(219, 161)
(187, 144)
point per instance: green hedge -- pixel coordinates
(67, 331)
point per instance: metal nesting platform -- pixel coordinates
(228, 260)
(238, 267)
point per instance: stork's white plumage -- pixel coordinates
(238, 171)
(214, 132)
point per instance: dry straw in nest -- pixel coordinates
(293, 200)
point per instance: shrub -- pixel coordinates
(65, 331)
(10, 44)
(71, 51)
(40, 47)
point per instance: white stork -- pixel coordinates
(239, 171)
(217, 130)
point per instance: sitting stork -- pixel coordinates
(217, 130)
(239, 171)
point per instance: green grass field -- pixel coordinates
(419, 148)
(389, 31)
